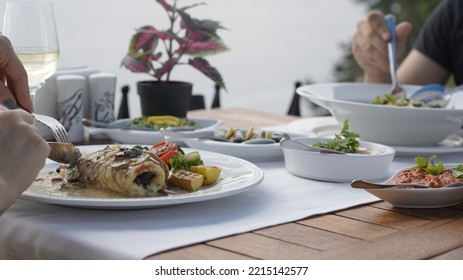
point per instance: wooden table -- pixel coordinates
(374, 231)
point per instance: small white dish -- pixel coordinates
(327, 126)
(145, 137)
(339, 168)
(250, 152)
(420, 198)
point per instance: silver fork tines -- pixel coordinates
(56, 128)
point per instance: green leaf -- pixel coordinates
(428, 165)
(346, 141)
(458, 171)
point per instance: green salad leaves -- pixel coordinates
(346, 141)
(432, 168)
(428, 165)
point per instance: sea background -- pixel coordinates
(273, 43)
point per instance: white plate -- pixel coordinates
(237, 176)
(327, 127)
(145, 137)
(421, 198)
(251, 152)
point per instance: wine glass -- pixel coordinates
(31, 28)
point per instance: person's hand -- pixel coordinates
(14, 83)
(23, 153)
(369, 46)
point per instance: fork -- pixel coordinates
(396, 89)
(56, 128)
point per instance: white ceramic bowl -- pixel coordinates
(390, 125)
(420, 198)
(339, 168)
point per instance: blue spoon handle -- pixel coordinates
(391, 23)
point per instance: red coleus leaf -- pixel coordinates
(145, 40)
(206, 48)
(136, 65)
(204, 67)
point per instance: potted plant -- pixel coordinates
(156, 52)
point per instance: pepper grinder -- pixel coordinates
(124, 106)
(216, 100)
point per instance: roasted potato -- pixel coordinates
(187, 180)
(210, 173)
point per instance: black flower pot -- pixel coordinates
(164, 98)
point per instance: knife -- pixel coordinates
(64, 153)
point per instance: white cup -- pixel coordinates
(102, 88)
(70, 93)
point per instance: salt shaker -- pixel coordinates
(102, 87)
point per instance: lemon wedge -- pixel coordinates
(167, 120)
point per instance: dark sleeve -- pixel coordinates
(441, 37)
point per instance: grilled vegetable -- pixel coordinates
(187, 180)
(210, 173)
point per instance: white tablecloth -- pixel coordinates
(33, 230)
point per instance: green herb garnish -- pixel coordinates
(183, 162)
(401, 101)
(346, 141)
(428, 165)
(457, 172)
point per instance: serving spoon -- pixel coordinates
(434, 95)
(291, 144)
(361, 184)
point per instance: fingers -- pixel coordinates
(15, 73)
(376, 20)
(5, 94)
(369, 47)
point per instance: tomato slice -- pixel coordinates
(165, 157)
(161, 148)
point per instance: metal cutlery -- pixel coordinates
(361, 184)
(56, 128)
(396, 89)
(291, 144)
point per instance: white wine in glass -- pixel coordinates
(31, 28)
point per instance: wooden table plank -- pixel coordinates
(423, 242)
(382, 217)
(242, 118)
(262, 247)
(349, 227)
(200, 251)
(307, 236)
(429, 214)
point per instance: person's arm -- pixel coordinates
(419, 69)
